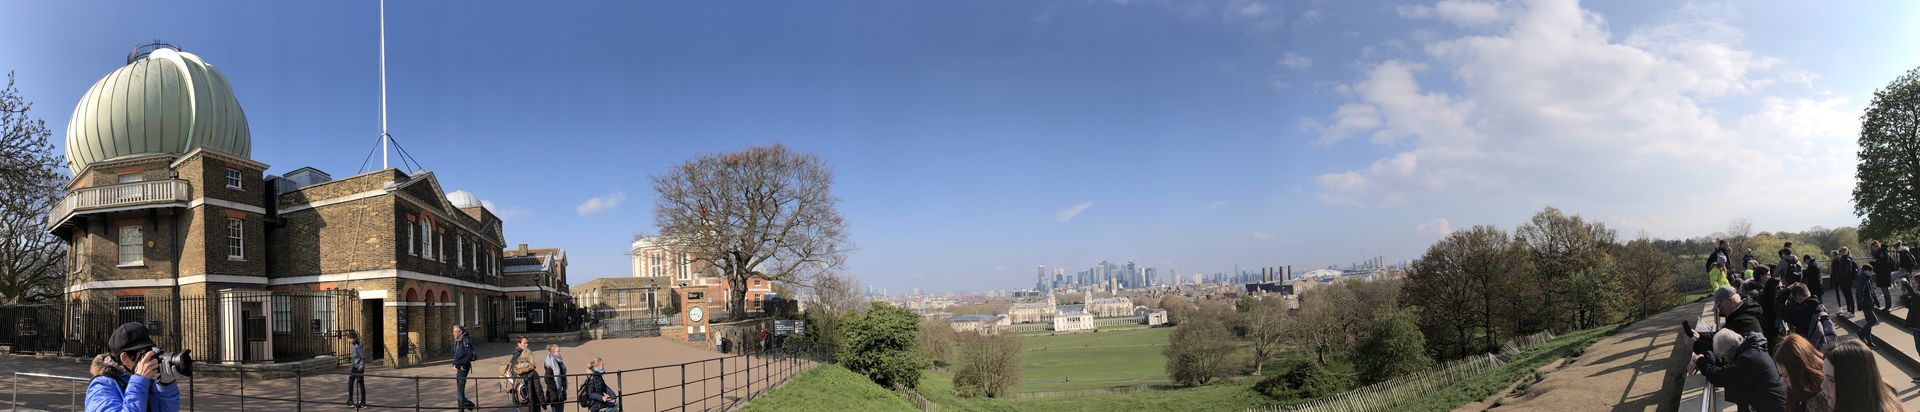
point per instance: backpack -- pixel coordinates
(1820, 330)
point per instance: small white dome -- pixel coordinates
(461, 199)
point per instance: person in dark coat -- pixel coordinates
(1812, 276)
(1843, 273)
(595, 396)
(1883, 264)
(1741, 365)
(463, 357)
(1741, 315)
(1800, 309)
(1769, 298)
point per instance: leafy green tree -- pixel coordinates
(1302, 380)
(883, 343)
(1392, 347)
(1647, 278)
(1177, 307)
(987, 365)
(1594, 295)
(1886, 189)
(1202, 348)
(1457, 288)
(1560, 246)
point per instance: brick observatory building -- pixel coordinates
(171, 223)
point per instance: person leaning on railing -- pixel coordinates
(148, 387)
(595, 396)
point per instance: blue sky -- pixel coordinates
(976, 139)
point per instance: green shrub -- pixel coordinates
(1302, 380)
(1392, 347)
(883, 343)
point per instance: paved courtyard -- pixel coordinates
(660, 374)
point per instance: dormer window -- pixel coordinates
(233, 179)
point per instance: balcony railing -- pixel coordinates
(118, 196)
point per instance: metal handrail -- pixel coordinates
(73, 398)
(124, 194)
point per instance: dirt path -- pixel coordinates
(1626, 370)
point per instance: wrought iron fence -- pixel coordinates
(716, 384)
(229, 327)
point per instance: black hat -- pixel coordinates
(128, 337)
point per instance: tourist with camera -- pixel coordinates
(147, 385)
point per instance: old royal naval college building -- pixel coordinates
(171, 222)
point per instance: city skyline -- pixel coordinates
(1187, 136)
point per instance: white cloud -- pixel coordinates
(1071, 211)
(999, 268)
(1262, 236)
(1548, 106)
(1435, 228)
(513, 213)
(1253, 10)
(1217, 205)
(1458, 12)
(597, 204)
(1295, 60)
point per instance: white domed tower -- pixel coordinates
(165, 202)
(164, 101)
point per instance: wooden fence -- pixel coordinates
(1390, 395)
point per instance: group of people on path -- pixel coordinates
(1776, 347)
(524, 381)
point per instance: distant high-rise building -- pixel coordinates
(1040, 281)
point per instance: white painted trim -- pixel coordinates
(295, 280)
(257, 280)
(226, 204)
(154, 283)
(332, 201)
(123, 283)
(414, 304)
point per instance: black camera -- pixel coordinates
(180, 362)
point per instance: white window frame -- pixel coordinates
(233, 179)
(620, 296)
(460, 299)
(135, 235)
(656, 262)
(459, 252)
(520, 308)
(426, 237)
(236, 239)
(411, 238)
(323, 310)
(282, 314)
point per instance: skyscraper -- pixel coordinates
(1040, 281)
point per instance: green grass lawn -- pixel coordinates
(829, 388)
(1094, 360)
(1230, 396)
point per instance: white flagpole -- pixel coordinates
(385, 140)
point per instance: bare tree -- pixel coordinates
(31, 264)
(765, 211)
(1324, 322)
(1738, 233)
(833, 298)
(937, 339)
(1267, 330)
(988, 365)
